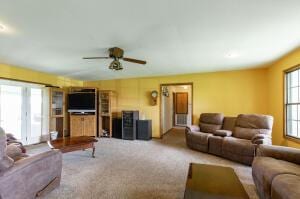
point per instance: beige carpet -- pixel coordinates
(135, 169)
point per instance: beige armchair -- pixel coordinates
(30, 176)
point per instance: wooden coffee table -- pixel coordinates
(209, 181)
(69, 144)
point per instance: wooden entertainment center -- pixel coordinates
(94, 121)
(83, 123)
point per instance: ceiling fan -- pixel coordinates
(116, 54)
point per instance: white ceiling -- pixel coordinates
(174, 36)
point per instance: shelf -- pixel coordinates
(107, 106)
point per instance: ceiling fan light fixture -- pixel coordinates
(116, 65)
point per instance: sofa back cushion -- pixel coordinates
(210, 122)
(5, 161)
(229, 123)
(248, 125)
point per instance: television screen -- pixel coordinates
(81, 101)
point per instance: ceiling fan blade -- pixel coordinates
(95, 57)
(134, 60)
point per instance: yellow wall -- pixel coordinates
(275, 93)
(234, 92)
(7, 71)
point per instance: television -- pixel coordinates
(81, 102)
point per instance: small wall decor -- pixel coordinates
(154, 95)
(165, 91)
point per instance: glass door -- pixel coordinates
(11, 114)
(34, 121)
(21, 111)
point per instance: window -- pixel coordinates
(292, 103)
(21, 110)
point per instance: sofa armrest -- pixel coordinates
(261, 139)
(31, 175)
(279, 152)
(193, 128)
(223, 133)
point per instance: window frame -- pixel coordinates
(285, 104)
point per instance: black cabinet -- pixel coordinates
(144, 129)
(129, 119)
(117, 128)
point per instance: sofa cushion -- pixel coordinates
(248, 125)
(229, 123)
(285, 186)
(238, 146)
(244, 159)
(212, 118)
(209, 128)
(199, 137)
(5, 161)
(215, 145)
(222, 133)
(265, 169)
(247, 133)
(254, 121)
(15, 152)
(198, 141)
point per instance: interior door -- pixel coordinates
(181, 103)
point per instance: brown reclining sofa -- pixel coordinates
(234, 138)
(276, 172)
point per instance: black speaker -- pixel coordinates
(117, 128)
(129, 119)
(144, 129)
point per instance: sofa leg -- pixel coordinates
(50, 187)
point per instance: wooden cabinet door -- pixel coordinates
(89, 125)
(76, 125)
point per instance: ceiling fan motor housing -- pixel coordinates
(116, 53)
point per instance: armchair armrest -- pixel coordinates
(279, 152)
(261, 139)
(193, 128)
(14, 142)
(223, 133)
(53, 157)
(31, 175)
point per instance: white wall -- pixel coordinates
(167, 111)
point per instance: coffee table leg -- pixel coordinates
(93, 154)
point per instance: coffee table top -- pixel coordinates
(209, 181)
(61, 143)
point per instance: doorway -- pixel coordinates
(176, 106)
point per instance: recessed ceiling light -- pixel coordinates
(231, 55)
(2, 27)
